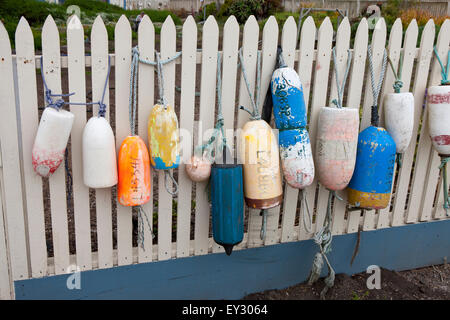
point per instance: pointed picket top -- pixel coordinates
(123, 25)
(98, 25)
(343, 33)
(413, 28)
(309, 23)
(74, 23)
(146, 25)
(168, 24)
(362, 32)
(23, 28)
(380, 28)
(5, 45)
(397, 27)
(211, 26)
(288, 41)
(50, 29)
(428, 35)
(326, 24)
(289, 24)
(232, 24)
(190, 28)
(251, 25)
(24, 42)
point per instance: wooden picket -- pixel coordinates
(26, 79)
(187, 103)
(23, 243)
(99, 70)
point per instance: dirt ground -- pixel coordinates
(430, 283)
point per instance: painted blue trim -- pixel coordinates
(217, 276)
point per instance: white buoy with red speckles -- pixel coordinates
(439, 118)
(337, 139)
(51, 140)
(99, 154)
(199, 169)
(399, 118)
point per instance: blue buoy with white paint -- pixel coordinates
(289, 111)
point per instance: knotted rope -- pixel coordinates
(376, 88)
(162, 99)
(132, 118)
(208, 147)
(444, 71)
(340, 89)
(323, 239)
(398, 83)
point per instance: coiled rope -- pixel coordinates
(323, 239)
(444, 160)
(376, 88)
(162, 99)
(340, 89)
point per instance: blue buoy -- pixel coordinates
(227, 198)
(370, 186)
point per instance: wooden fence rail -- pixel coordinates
(27, 217)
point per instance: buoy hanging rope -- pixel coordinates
(59, 103)
(306, 213)
(444, 70)
(162, 99)
(255, 115)
(132, 117)
(444, 160)
(398, 83)
(208, 147)
(340, 88)
(323, 239)
(376, 88)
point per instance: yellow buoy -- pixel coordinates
(163, 138)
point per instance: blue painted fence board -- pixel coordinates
(217, 276)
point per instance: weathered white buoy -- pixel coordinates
(199, 169)
(399, 118)
(99, 154)
(337, 139)
(51, 140)
(439, 118)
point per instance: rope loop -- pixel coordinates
(376, 88)
(340, 89)
(444, 71)
(254, 114)
(168, 173)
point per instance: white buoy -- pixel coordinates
(51, 140)
(399, 118)
(199, 168)
(99, 154)
(439, 118)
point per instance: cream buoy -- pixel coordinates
(198, 169)
(399, 112)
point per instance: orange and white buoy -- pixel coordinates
(51, 140)
(134, 185)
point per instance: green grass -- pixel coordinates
(37, 11)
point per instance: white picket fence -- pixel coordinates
(23, 246)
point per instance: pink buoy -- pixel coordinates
(337, 139)
(51, 140)
(199, 169)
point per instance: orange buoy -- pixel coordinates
(134, 185)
